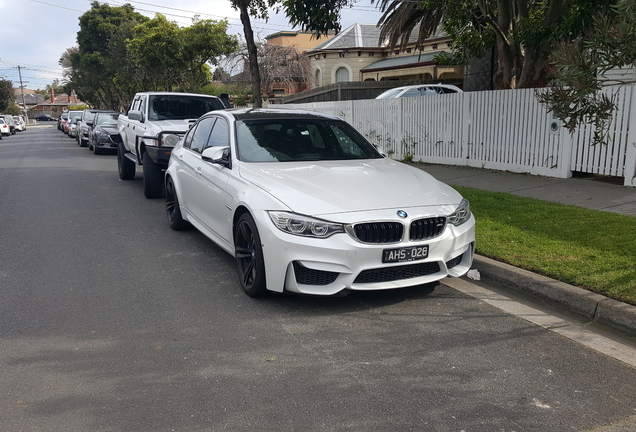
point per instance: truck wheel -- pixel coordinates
(125, 166)
(153, 178)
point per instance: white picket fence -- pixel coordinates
(504, 130)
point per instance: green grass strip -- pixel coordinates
(591, 249)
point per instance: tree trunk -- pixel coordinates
(252, 52)
(534, 73)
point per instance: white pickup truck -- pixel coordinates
(151, 127)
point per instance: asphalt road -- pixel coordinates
(111, 321)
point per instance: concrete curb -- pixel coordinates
(592, 306)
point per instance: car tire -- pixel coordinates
(83, 143)
(173, 211)
(95, 149)
(248, 251)
(90, 146)
(153, 178)
(125, 166)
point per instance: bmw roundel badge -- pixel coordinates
(402, 213)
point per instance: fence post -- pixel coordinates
(466, 121)
(565, 152)
(630, 150)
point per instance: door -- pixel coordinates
(190, 173)
(215, 214)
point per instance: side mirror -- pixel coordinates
(218, 155)
(136, 115)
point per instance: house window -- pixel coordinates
(318, 77)
(342, 74)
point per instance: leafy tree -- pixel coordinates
(7, 95)
(205, 41)
(99, 70)
(576, 94)
(220, 74)
(317, 16)
(13, 110)
(157, 49)
(522, 31)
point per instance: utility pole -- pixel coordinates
(26, 111)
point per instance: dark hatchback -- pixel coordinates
(103, 134)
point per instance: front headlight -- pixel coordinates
(170, 140)
(100, 133)
(306, 226)
(461, 214)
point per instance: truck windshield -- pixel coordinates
(177, 107)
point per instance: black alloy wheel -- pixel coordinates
(173, 211)
(249, 257)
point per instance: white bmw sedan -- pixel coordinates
(307, 205)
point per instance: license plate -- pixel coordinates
(404, 254)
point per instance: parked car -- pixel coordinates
(307, 205)
(419, 90)
(8, 119)
(45, 117)
(71, 115)
(19, 123)
(151, 127)
(86, 121)
(72, 127)
(103, 134)
(61, 120)
(4, 128)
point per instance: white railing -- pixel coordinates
(504, 130)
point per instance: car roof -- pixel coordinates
(274, 113)
(175, 94)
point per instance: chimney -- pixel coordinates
(52, 95)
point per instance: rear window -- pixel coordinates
(178, 107)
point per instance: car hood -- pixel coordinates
(328, 187)
(175, 125)
(107, 129)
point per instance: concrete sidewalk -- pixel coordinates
(594, 192)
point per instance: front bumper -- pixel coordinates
(328, 266)
(107, 142)
(159, 155)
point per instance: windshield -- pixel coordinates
(390, 94)
(181, 107)
(107, 119)
(300, 139)
(74, 114)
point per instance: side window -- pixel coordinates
(142, 106)
(135, 105)
(220, 136)
(188, 139)
(201, 134)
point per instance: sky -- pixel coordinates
(35, 33)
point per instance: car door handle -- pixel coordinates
(197, 170)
